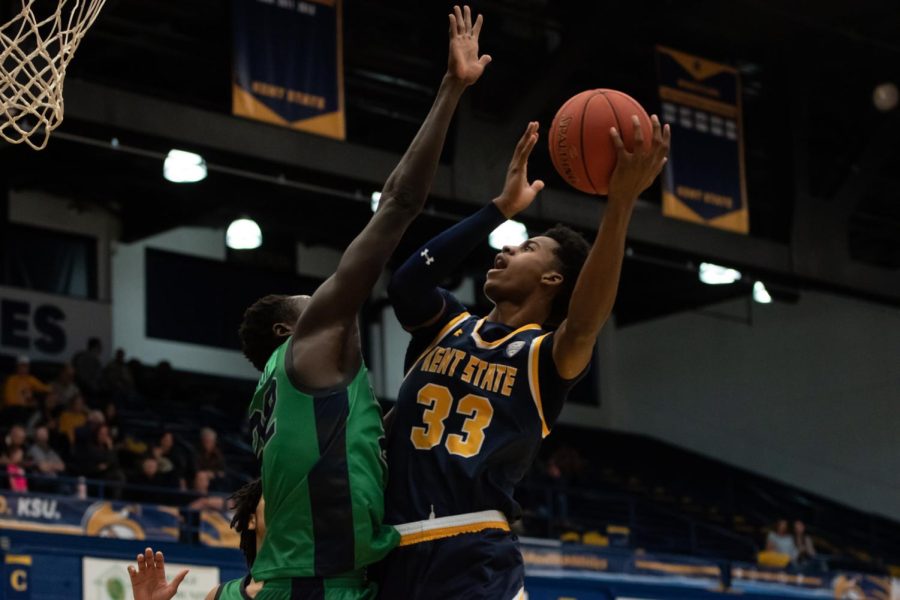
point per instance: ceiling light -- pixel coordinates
(717, 275)
(243, 234)
(510, 233)
(376, 198)
(885, 96)
(184, 167)
(761, 294)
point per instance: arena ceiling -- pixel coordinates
(823, 165)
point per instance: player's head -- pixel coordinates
(545, 266)
(266, 323)
(249, 518)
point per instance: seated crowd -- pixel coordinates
(65, 436)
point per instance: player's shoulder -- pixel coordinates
(453, 313)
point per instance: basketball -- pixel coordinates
(582, 151)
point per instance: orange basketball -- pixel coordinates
(580, 146)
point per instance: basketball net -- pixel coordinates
(35, 50)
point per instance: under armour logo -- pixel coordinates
(428, 258)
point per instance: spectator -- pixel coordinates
(171, 461)
(72, 418)
(209, 456)
(806, 551)
(159, 381)
(85, 433)
(111, 418)
(15, 438)
(15, 470)
(97, 459)
(18, 393)
(780, 540)
(64, 384)
(149, 477)
(47, 413)
(87, 367)
(202, 480)
(44, 458)
(116, 379)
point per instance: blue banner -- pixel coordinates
(60, 514)
(704, 180)
(288, 64)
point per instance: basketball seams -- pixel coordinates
(615, 114)
(554, 137)
(584, 165)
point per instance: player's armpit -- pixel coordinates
(213, 593)
(572, 351)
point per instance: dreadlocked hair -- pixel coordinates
(244, 502)
(571, 253)
(258, 341)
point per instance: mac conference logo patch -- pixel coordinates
(514, 348)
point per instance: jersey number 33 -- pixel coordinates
(439, 403)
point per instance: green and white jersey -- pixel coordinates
(323, 475)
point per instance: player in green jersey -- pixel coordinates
(315, 422)
(148, 580)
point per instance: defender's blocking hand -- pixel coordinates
(464, 63)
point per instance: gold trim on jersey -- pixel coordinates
(446, 329)
(491, 345)
(443, 527)
(534, 382)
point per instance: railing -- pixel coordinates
(87, 488)
(651, 526)
(656, 528)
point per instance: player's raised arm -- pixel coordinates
(414, 287)
(595, 291)
(339, 299)
(148, 581)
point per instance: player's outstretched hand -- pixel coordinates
(518, 194)
(464, 63)
(148, 581)
(635, 171)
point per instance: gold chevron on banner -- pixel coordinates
(737, 221)
(245, 104)
(699, 68)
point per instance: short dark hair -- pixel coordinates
(244, 502)
(571, 253)
(258, 341)
(94, 343)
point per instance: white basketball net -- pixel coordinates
(35, 49)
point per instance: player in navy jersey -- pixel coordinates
(481, 392)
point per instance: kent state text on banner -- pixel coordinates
(288, 64)
(704, 180)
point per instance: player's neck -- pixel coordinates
(515, 315)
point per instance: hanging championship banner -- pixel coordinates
(704, 180)
(288, 64)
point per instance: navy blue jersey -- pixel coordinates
(476, 401)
